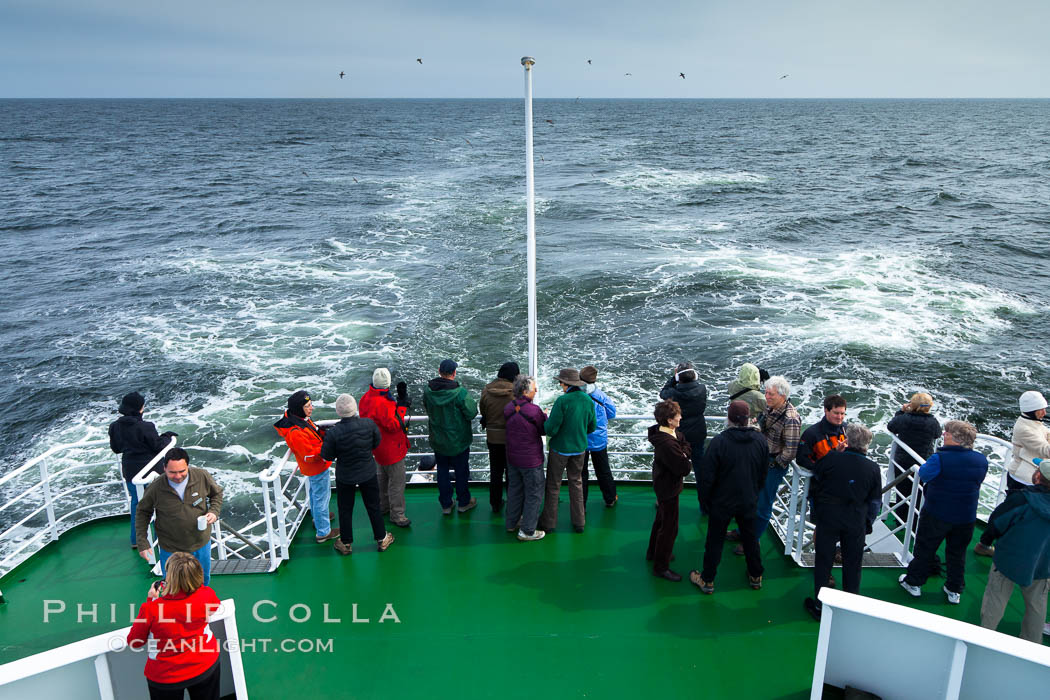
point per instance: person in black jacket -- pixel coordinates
(846, 491)
(732, 473)
(350, 443)
(917, 429)
(137, 442)
(670, 463)
(685, 389)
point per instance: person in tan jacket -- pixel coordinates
(494, 397)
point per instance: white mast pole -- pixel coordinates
(530, 199)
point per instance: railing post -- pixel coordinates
(282, 526)
(803, 505)
(270, 534)
(913, 499)
(792, 523)
(45, 482)
(216, 531)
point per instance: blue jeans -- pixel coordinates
(766, 497)
(460, 464)
(203, 555)
(134, 493)
(524, 497)
(320, 497)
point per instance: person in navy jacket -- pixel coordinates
(953, 478)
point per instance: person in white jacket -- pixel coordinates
(1031, 440)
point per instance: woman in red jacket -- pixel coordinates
(183, 654)
(389, 414)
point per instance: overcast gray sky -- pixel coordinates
(471, 48)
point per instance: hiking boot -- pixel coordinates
(612, 504)
(536, 535)
(343, 548)
(914, 591)
(470, 506)
(333, 534)
(385, 543)
(813, 607)
(403, 523)
(733, 536)
(707, 587)
(983, 550)
(754, 581)
(953, 597)
(446, 511)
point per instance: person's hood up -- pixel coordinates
(500, 387)
(748, 376)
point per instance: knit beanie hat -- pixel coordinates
(508, 371)
(131, 404)
(296, 402)
(381, 378)
(346, 406)
(739, 412)
(1032, 401)
(589, 374)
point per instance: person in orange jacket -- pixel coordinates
(304, 440)
(389, 414)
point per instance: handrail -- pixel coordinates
(140, 477)
(53, 450)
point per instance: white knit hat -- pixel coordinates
(346, 406)
(381, 378)
(1032, 401)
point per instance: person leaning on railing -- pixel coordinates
(389, 414)
(1030, 439)
(598, 440)
(450, 411)
(304, 438)
(525, 429)
(917, 429)
(685, 389)
(137, 442)
(186, 501)
(953, 478)
(175, 615)
(494, 397)
(571, 419)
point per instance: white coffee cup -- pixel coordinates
(202, 522)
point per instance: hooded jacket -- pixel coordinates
(525, 428)
(692, 399)
(733, 471)
(671, 462)
(1022, 553)
(379, 406)
(494, 397)
(604, 411)
(137, 442)
(450, 410)
(571, 418)
(746, 388)
(916, 430)
(350, 443)
(186, 647)
(1030, 439)
(303, 438)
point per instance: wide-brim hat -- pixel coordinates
(570, 376)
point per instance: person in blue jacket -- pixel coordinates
(598, 441)
(1022, 556)
(953, 478)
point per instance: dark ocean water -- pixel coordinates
(218, 255)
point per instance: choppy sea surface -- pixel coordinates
(217, 255)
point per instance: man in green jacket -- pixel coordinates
(187, 501)
(450, 411)
(571, 418)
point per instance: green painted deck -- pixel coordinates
(481, 614)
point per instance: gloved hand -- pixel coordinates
(483, 422)
(402, 395)
(169, 434)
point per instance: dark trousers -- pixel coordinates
(460, 466)
(933, 531)
(497, 468)
(717, 524)
(602, 472)
(663, 534)
(370, 495)
(991, 533)
(203, 687)
(838, 524)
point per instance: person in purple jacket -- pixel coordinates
(953, 477)
(525, 478)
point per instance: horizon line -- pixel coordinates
(515, 97)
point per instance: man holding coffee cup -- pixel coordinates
(187, 501)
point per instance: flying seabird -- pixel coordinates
(341, 74)
(355, 179)
(549, 121)
(783, 76)
(588, 61)
(626, 73)
(468, 142)
(682, 76)
(419, 61)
